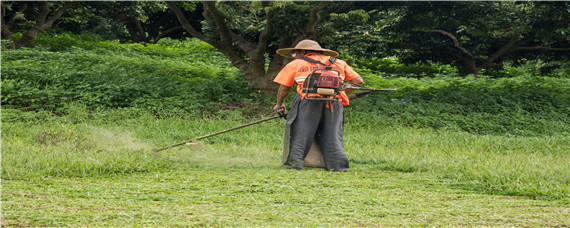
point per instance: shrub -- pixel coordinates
(520, 106)
(174, 76)
(392, 67)
(190, 77)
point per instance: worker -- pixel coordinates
(311, 119)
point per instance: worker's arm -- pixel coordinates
(357, 81)
(281, 95)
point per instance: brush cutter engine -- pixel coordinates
(323, 81)
(328, 83)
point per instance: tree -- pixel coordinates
(18, 13)
(148, 21)
(481, 35)
(359, 32)
(248, 33)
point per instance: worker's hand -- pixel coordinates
(352, 96)
(279, 107)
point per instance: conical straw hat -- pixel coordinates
(309, 45)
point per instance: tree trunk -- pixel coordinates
(7, 26)
(42, 22)
(27, 37)
(470, 67)
(229, 43)
(6, 34)
(256, 73)
(138, 34)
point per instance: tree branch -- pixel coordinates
(539, 48)
(264, 36)
(5, 29)
(186, 24)
(219, 19)
(3, 11)
(41, 23)
(166, 32)
(140, 29)
(503, 50)
(58, 14)
(228, 38)
(344, 7)
(41, 18)
(208, 19)
(314, 17)
(251, 11)
(135, 36)
(454, 39)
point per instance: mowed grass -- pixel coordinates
(99, 168)
(245, 196)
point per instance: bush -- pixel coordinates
(174, 76)
(392, 67)
(190, 77)
(519, 106)
(525, 68)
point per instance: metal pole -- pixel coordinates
(219, 132)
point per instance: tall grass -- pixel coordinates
(524, 106)
(39, 145)
(500, 164)
(35, 145)
(118, 141)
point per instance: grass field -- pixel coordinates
(98, 168)
(250, 195)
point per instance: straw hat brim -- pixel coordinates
(288, 52)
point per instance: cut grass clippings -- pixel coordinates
(245, 196)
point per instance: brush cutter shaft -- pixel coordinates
(347, 86)
(235, 128)
(339, 87)
(224, 131)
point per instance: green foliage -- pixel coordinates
(529, 68)
(360, 30)
(392, 67)
(168, 76)
(518, 106)
(482, 29)
(191, 78)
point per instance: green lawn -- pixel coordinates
(99, 169)
(249, 195)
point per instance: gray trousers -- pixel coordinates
(308, 120)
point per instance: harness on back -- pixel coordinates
(323, 81)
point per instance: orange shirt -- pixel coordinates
(297, 71)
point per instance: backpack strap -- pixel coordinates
(331, 61)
